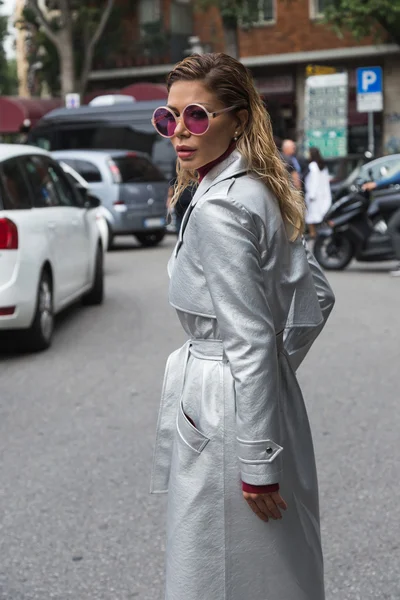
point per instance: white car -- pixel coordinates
(83, 185)
(50, 245)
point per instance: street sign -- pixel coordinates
(319, 70)
(326, 109)
(369, 89)
(72, 100)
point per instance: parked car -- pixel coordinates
(373, 170)
(83, 187)
(132, 190)
(50, 246)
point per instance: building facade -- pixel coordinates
(289, 37)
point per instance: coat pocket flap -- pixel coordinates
(262, 451)
(189, 434)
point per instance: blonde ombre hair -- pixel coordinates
(233, 84)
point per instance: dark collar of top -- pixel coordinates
(233, 165)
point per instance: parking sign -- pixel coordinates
(369, 89)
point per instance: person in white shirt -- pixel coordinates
(318, 191)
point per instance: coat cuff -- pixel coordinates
(260, 461)
(260, 489)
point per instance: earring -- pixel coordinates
(236, 136)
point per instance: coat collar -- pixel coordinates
(231, 166)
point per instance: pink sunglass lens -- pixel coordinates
(164, 122)
(195, 119)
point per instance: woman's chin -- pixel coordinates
(189, 164)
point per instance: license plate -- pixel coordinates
(155, 222)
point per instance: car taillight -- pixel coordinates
(115, 172)
(8, 235)
(7, 311)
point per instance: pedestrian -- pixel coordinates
(318, 191)
(291, 162)
(394, 221)
(233, 445)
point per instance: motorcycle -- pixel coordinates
(356, 227)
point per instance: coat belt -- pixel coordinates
(214, 350)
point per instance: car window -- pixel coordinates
(44, 192)
(14, 188)
(136, 169)
(66, 192)
(381, 169)
(88, 170)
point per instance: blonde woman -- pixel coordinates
(233, 447)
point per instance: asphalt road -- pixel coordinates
(77, 430)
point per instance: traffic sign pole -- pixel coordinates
(371, 133)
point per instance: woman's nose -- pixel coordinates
(180, 129)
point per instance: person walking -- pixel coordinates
(291, 162)
(317, 191)
(394, 221)
(233, 444)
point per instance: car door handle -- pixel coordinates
(75, 222)
(51, 225)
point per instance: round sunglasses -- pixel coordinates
(195, 117)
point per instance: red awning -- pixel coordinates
(19, 112)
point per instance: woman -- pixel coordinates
(233, 441)
(318, 191)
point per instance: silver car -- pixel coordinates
(132, 190)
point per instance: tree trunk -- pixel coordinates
(67, 65)
(231, 41)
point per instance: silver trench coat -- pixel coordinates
(251, 303)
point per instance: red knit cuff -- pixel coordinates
(260, 489)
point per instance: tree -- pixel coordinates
(361, 17)
(8, 77)
(234, 13)
(74, 28)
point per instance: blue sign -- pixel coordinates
(369, 80)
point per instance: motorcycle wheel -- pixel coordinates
(334, 252)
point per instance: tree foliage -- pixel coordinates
(64, 40)
(8, 75)
(363, 17)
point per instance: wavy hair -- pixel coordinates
(233, 84)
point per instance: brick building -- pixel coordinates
(288, 37)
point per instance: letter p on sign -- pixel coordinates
(368, 80)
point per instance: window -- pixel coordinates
(380, 169)
(64, 190)
(87, 170)
(149, 11)
(44, 193)
(15, 190)
(137, 169)
(263, 13)
(319, 7)
(266, 10)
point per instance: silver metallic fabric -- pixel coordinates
(252, 303)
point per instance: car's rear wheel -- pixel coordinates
(150, 239)
(96, 293)
(39, 336)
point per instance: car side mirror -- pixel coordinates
(91, 201)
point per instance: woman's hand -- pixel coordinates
(266, 506)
